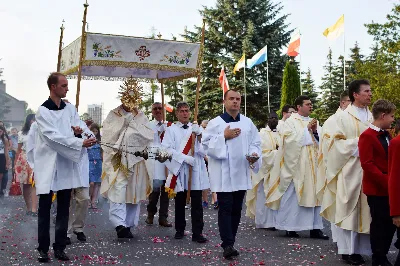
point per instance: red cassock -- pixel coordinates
(394, 176)
(374, 161)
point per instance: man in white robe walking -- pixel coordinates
(233, 148)
(125, 177)
(178, 140)
(293, 177)
(57, 153)
(347, 206)
(158, 171)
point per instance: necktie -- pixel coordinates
(185, 126)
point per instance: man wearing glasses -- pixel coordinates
(157, 171)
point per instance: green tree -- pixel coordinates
(85, 116)
(356, 59)
(235, 27)
(148, 98)
(382, 67)
(174, 91)
(308, 86)
(324, 109)
(290, 84)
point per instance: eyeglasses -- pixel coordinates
(157, 108)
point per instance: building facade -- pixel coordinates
(12, 110)
(95, 111)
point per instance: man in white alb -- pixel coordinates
(178, 140)
(125, 177)
(158, 171)
(293, 177)
(57, 153)
(233, 148)
(344, 204)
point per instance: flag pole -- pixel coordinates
(269, 106)
(344, 57)
(244, 82)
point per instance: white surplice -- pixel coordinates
(57, 151)
(175, 138)
(156, 169)
(228, 167)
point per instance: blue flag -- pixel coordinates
(258, 58)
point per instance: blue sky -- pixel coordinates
(30, 31)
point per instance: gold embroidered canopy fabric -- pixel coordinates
(113, 57)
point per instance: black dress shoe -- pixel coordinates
(235, 252)
(123, 232)
(354, 259)
(229, 252)
(80, 236)
(164, 223)
(271, 229)
(179, 235)
(43, 256)
(292, 234)
(60, 255)
(316, 233)
(68, 241)
(199, 239)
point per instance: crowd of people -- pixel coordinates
(291, 174)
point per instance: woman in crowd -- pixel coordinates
(95, 166)
(4, 157)
(23, 171)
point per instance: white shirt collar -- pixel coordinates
(372, 126)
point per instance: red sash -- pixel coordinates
(186, 152)
(163, 133)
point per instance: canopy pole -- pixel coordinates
(196, 108)
(60, 47)
(78, 89)
(162, 101)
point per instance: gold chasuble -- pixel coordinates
(296, 161)
(343, 201)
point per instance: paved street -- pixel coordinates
(154, 245)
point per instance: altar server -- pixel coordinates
(373, 146)
(178, 140)
(57, 153)
(233, 146)
(347, 206)
(157, 171)
(256, 197)
(293, 177)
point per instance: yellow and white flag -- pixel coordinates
(240, 64)
(334, 31)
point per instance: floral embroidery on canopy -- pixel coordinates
(180, 59)
(99, 51)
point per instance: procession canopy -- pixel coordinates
(115, 57)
